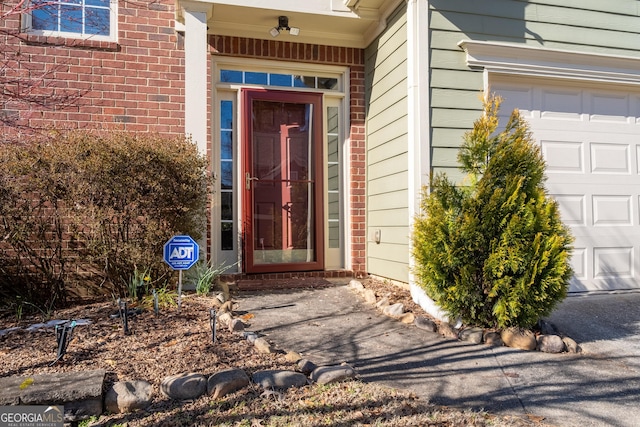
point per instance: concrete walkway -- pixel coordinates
(600, 387)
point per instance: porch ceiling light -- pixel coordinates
(283, 24)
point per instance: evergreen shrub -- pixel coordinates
(493, 252)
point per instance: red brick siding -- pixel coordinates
(135, 84)
(330, 55)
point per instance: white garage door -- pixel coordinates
(590, 138)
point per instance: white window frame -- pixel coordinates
(113, 24)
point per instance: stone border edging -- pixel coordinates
(549, 340)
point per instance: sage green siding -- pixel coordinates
(455, 92)
(387, 148)
(580, 25)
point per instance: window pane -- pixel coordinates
(97, 22)
(255, 78)
(281, 79)
(45, 18)
(226, 114)
(332, 148)
(226, 206)
(226, 175)
(103, 3)
(230, 76)
(333, 180)
(326, 83)
(304, 81)
(332, 120)
(226, 145)
(226, 235)
(71, 19)
(334, 206)
(334, 234)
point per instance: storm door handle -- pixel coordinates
(247, 180)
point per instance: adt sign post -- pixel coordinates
(181, 253)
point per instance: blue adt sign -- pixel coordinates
(181, 252)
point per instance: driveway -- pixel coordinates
(600, 387)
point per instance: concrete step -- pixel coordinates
(79, 392)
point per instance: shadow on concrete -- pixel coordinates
(332, 326)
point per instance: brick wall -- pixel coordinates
(135, 84)
(330, 55)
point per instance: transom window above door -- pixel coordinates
(279, 79)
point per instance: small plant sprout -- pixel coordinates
(205, 275)
(138, 284)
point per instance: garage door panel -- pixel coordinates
(579, 263)
(615, 262)
(563, 156)
(590, 140)
(610, 108)
(560, 104)
(610, 158)
(612, 211)
(572, 209)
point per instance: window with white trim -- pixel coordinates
(87, 19)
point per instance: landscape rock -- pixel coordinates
(227, 307)
(251, 336)
(571, 345)
(369, 296)
(184, 386)
(550, 344)
(425, 323)
(332, 374)
(263, 346)
(547, 328)
(227, 381)
(221, 297)
(292, 356)
(493, 339)
(472, 335)
(408, 318)
(225, 318)
(395, 310)
(279, 379)
(383, 302)
(306, 366)
(356, 285)
(522, 339)
(128, 396)
(236, 325)
(447, 330)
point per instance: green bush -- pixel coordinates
(495, 252)
(85, 208)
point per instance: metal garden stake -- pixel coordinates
(212, 322)
(155, 302)
(64, 334)
(122, 307)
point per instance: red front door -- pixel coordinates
(282, 179)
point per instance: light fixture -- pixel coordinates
(283, 24)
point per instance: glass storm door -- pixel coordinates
(282, 180)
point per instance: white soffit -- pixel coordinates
(330, 22)
(541, 62)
